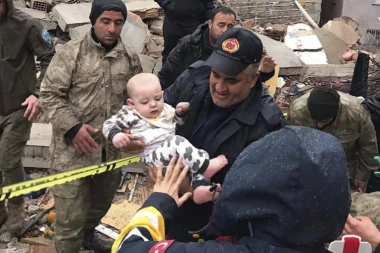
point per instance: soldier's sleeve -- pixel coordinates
(54, 92)
(122, 120)
(367, 148)
(146, 231)
(42, 46)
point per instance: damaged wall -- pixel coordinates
(275, 12)
(364, 11)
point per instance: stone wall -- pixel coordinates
(275, 11)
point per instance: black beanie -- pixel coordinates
(323, 103)
(99, 6)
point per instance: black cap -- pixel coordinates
(323, 103)
(99, 6)
(235, 50)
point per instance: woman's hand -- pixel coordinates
(171, 182)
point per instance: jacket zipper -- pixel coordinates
(2, 46)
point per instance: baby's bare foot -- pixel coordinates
(202, 194)
(215, 165)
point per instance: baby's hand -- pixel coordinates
(120, 140)
(182, 107)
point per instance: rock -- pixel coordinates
(33, 209)
(156, 26)
(343, 31)
(43, 220)
(37, 241)
(52, 226)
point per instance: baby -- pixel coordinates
(149, 118)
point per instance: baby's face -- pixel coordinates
(148, 100)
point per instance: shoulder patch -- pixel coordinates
(45, 36)
(161, 247)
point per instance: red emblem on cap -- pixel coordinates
(230, 45)
(161, 246)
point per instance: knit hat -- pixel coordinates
(99, 6)
(323, 103)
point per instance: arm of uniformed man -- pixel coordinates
(367, 150)
(146, 231)
(42, 46)
(55, 103)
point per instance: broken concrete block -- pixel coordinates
(156, 26)
(343, 31)
(144, 8)
(71, 15)
(37, 241)
(41, 249)
(79, 31)
(283, 55)
(33, 209)
(41, 5)
(147, 63)
(333, 46)
(43, 17)
(306, 45)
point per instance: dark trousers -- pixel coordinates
(173, 32)
(359, 87)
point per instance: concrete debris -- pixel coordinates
(156, 26)
(43, 17)
(284, 56)
(71, 15)
(144, 8)
(41, 249)
(32, 209)
(37, 241)
(303, 41)
(333, 46)
(343, 31)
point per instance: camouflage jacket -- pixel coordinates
(354, 129)
(85, 84)
(366, 204)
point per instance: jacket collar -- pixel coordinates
(114, 53)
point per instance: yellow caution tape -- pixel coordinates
(23, 188)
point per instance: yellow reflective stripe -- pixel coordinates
(22, 188)
(149, 218)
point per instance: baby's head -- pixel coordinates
(145, 95)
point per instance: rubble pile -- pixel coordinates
(38, 232)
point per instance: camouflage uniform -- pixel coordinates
(84, 84)
(21, 39)
(352, 126)
(366, 204)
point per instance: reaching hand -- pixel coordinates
(83, 142)
(120, 140)
(182, 108)
(33, 107)
(172, 181)
(363, 227)
(267, 65)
